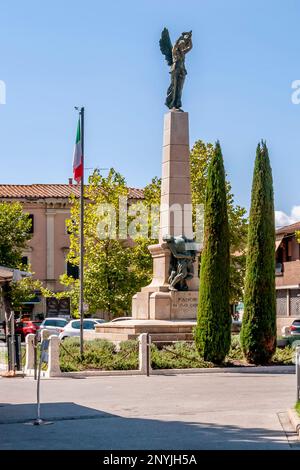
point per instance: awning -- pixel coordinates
(9, 274)
(278, 242)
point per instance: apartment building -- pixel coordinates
(287, 275)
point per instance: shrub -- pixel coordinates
(180, 355)
(98, 354)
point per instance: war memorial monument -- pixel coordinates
(167, 307)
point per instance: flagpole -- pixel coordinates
(81, 273)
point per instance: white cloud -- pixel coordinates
(282, 219)
(296, 213)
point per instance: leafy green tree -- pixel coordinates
(14, 233)
(200, 159)
(258, 334)
(15, 227)
(141, 255)
(213, 330)
(113, 266)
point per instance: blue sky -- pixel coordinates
(105, 56)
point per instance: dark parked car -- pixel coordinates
(295, 328)
(24, 327)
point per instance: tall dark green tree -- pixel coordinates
(213, 329)
(258, 335)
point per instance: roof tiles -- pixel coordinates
(43, 191)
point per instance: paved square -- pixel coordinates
(227, 410)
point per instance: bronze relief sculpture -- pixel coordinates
(175, 57)
(183, 255)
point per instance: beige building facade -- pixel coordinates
(49, 208)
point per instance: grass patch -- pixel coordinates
(297, 407)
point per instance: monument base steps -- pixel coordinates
(160, 331)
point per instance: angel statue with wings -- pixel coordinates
(175, 57)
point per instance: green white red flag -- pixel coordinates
(78, 157)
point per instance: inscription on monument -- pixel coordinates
(184, 305)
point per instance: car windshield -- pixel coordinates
(59, 323)
(296, 323)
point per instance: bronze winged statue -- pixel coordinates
(175, 57)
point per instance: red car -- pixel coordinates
(25, 327)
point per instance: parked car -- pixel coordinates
(295, 328)
(25, 327)
(2, 332)
(121, 319)
(54, 325)
(73, 327)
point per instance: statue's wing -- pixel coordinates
(166, 46)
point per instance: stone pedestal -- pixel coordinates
(156, 302)
(176, 200)
(166, 315)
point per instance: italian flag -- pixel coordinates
(77, 157)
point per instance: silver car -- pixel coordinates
(73, 327)
(54, 325)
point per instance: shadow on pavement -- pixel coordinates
(79, 427)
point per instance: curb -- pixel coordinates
(228, 370)
(295, 420)
(98, 373)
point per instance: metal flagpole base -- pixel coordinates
(39, 422)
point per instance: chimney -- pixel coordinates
(70, 181)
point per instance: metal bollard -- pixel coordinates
(35, 345)
(298, 372)
(43, 359)
(148, 354)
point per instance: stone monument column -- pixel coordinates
(176, 200)
(156, 301)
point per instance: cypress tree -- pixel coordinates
(212, 334)
(258, 334)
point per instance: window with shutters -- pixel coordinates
(295, 302)
(281, 304)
